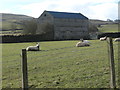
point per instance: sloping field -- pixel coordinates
(11, 23)
(59, 64)
(109, 28)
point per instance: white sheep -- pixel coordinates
(83, 43)
(103, 38)
(116, 39)
(33, 48)
(86, 41)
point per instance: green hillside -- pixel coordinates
(109, 28)
(99, 22)
(11, 22)
(7, 16)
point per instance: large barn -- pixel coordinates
(63, 25)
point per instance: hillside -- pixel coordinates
(11, 22)
(105, 26)
(7, 16)
(99, 22)
(108, 28)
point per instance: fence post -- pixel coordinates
(24, 70)
(112, 65)
(118, 66)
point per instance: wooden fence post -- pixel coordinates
(24, 70)
(118, 65)
(112, 65)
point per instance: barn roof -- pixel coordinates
(67, 15)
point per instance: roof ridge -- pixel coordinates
(62, 12)
(58, 14)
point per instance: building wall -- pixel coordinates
(61, 29)
(70, 28)
(45, 24)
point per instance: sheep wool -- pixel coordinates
(103, 38)
(116, 39)
(33, 48)
(82, 44)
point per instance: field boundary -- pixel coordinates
(112, 34)
(25, 38)
(111, 60)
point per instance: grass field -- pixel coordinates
(59, 64)
(109, 28)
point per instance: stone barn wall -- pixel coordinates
(45, 24)
(70, 28)
(62, 28)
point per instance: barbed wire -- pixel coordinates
(11, 55)
(38, 56)
(60, 57)
(66, 51)
(13, 68)
(53, 54)
(54, 49)
(19, 55)
(11, 60)
(73, 50)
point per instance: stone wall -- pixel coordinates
(25, 38)
(62, 29)
(70, 29)
(45, 23)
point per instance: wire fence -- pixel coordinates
(58, 53)
(10, 68)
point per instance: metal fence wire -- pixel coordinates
(33, 60)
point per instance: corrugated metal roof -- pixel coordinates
(67, 15)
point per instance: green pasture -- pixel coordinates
(109, 28)
(9, 25)
(59, 64)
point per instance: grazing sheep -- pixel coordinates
(83, 43)
(86, 41)
(116, 39)
(103, 38)
(33, 48)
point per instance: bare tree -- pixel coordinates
(29, 26)
(45, 28)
